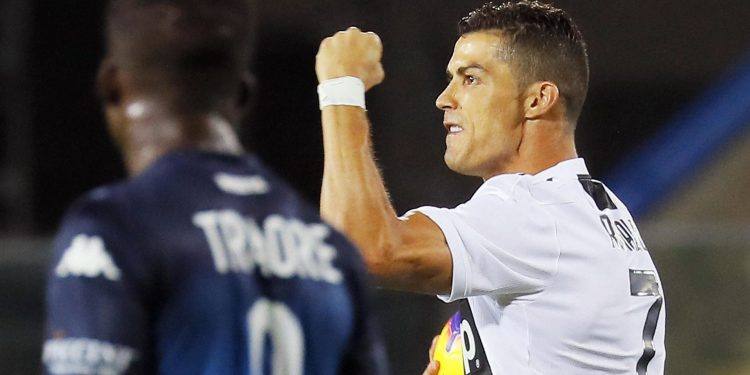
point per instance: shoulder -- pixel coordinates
(102, 204)
(98, 219)
(501, 211)
(83, 245)
(97, 241)
(499, 199)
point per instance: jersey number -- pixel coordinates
(278, 322)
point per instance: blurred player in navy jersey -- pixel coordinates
(202, 262)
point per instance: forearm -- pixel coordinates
(402, 254)
(353, 195)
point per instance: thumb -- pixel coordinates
(432, 347)
(432, 368)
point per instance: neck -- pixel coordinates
(547, 159)
(543, 145)
(150, 134)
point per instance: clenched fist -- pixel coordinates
(351, 53)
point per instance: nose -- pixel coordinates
(446, 101)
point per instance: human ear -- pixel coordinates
(108, 85)
(244, 100)
(246, 92)
(541, 98)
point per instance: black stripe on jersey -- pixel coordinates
(597, 192)
(649, 329)
(478, 364)
(643, 283)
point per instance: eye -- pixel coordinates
(470, 80)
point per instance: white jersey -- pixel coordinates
(556, 275)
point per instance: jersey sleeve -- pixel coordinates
(97, 319)
(499, 246)
(366, 355)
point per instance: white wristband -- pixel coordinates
(346, 90)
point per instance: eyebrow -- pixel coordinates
(462, 70)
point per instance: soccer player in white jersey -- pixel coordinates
(552, 274)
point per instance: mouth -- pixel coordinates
(452, 128)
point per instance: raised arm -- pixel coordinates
(406, 254)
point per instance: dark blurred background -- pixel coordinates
(650, 61)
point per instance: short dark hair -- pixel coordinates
(193, 53)
(543, 44)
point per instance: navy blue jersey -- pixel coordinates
(205, 264)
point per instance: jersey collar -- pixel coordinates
(564, 169)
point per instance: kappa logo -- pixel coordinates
(87, 257)
(241, 185)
